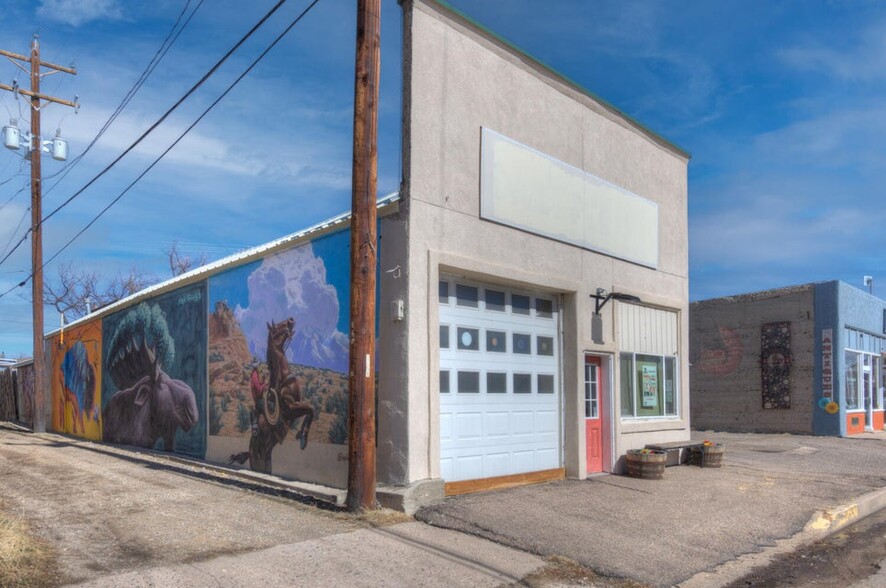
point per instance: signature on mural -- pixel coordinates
(149, 405)
(78, 386)
(278, 403)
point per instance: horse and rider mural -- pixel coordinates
(278, 354)
(278, 404)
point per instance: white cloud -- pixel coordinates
(864, 60)
(78, 12)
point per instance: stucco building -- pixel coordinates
(804, 359)
(533, 308)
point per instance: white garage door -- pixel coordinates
(499, 381)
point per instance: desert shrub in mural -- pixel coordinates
(278, 355)
(75, 381)
(153, 392)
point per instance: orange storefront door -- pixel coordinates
(596, 425)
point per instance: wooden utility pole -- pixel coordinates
(36, 150)
(361, 378)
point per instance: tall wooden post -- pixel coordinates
(361, 378)
(36, 150)
(37, 242)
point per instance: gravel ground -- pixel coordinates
(139, 510)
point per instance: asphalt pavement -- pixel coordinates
(121, 517)
(773, 493)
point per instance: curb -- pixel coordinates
(822, 523)
(825, 522)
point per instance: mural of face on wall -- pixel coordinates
(154, 366)
(278, 357)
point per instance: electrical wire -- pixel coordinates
(18, 226)
(160, 121)
(176, 142)
(161, 52)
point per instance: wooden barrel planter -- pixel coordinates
(708, 456)
(648, 464)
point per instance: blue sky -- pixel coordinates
(778, 102)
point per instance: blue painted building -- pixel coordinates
(803, 359)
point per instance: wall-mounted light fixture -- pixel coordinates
(602, 297)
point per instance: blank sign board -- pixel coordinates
(529, 190)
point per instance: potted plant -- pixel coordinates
(708, 455)
(646, 463)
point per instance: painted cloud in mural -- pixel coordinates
(293, 284)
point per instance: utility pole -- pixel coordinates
(361, 378)
(36, 150)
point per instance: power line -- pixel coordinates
(176, 142)
(12, 235)
(161, 52)
(159, 121)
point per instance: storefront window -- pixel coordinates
(852, 399)
(627, 385)
(648, 385)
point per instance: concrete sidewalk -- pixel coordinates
(774, 493)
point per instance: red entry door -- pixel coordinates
(596, 425)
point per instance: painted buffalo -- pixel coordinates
(78, 389)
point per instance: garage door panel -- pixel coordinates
(524, 422)
(447, 468)
(497, 424)
(547, 459)
(547, 421)
(506, 413)
(469, 425)
(497, 464)
(523, 461)
(445, 426)
(469, 467)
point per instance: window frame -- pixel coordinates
(631, 357)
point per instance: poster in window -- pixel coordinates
(649, 373)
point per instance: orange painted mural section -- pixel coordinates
(77, 412)
(858, 427)
(878, 420)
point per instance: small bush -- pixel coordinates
(244, 418)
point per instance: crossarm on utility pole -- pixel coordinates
(36, 150)
(39, 96)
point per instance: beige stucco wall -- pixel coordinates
(457, 80)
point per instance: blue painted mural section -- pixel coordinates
(827, 318)
(857, 320)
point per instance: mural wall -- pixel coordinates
(278, 362)
(154, 380)
(75, 381)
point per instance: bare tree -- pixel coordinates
(75, 292)
(180, 264)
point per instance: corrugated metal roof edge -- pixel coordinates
(385, 206)
(564, 78)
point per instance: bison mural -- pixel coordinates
(78, 386)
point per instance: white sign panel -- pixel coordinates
(530, 190)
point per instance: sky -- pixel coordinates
(779, 104)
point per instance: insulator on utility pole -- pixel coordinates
(12, 140)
